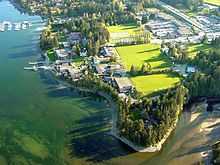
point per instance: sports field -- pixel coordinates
(122, 31)
(214, 2)
(153, 83)
(128, 28)
(139, 54)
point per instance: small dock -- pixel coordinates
(38, 65)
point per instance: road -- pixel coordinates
(180, 14)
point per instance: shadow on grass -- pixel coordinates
(157, 58)
(150, 50)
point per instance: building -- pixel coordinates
(123, 84)
(106, 52)
(190, 69)
(62, 54)
(74, 38)
(101, 68)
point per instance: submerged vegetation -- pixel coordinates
(155, 99)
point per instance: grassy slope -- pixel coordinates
(137, 55)
(153, 83)
(122, 31)
(215, 2)
(129, 28)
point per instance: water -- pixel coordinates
(41, 123)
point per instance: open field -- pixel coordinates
(153, 83)
(128, 28)
(194, 49)
(140, 54)
(122, 31)
(214, 2)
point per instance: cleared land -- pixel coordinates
(139, 54)
(122, 31)
(129, 28)
(214, 2)
(194, 49)
(153, 83)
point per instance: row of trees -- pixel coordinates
(145, 69)
(206, 81)
(146, 123)
(190, 4)
(48, 40)
(179, 53)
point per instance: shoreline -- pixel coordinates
(149, 149)
(157, 147)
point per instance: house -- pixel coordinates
(190, 69)
(123, 84)
(68, 70)
(106, 52)
(83, 52)
(74, 38)
(116, 70)
(65, 44)
(101, 68)
(62, 54)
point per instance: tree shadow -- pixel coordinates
(89, 138)
(150, 50)
(156, 59)
(93, 142)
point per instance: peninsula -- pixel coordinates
(147, 58)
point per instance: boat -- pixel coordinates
(17, 26)
(7, 25)
(2, 29)
(28, 24)
(23, 26)
(34, 68)
(10, 27)
(36, 63)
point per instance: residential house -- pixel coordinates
(63, 54)
(123, 84)
(74, 38)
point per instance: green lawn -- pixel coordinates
(194, 49)
(139, 54)
(153, 83)
(51, 55)
(215, 2)
(129, 28)
(77, 61)
(122, 31)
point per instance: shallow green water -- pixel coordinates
(35, 113)
(41, 123)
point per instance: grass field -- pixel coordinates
(153, 83)
(194, 49)
(51, 55)
(215, 2)
(122, 31)
(129, 28)
(139, 54)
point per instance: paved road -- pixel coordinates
(180, 14)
